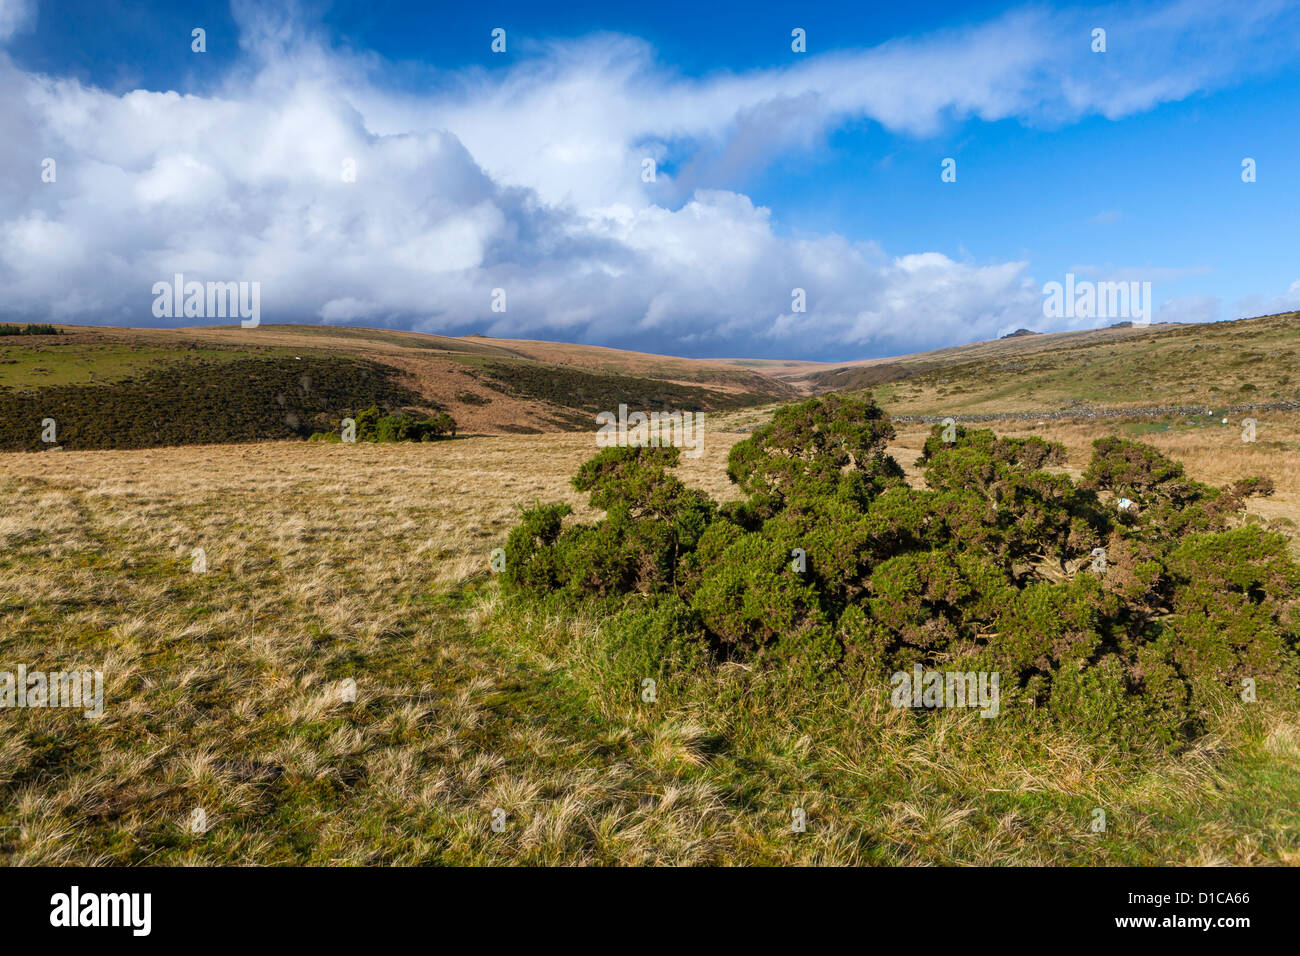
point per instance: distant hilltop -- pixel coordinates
(1127, 324)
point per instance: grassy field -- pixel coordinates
(1223, 364)
(26, 366)
(324, 563)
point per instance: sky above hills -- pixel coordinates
(380, 164)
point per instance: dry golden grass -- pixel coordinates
(323, 561)
(328, 562)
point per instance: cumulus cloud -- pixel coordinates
(528, 181)
(571, 116)
(1288, 301)
(15, 15)
(1190, 308)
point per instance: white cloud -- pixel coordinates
(15, 16)
(1190, 308)
(568, 125)
(528, 179)
(1288, 301)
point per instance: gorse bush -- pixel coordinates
(31, 328)
(833, 447)
(1129, 623)
(374, 425)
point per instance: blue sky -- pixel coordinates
(775, 170)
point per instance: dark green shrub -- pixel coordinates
(1044, 627)
(616, 556)
(1100, 701)
(1129, 625)
(933, 604)
(824, 447)
(834, 538)
(190, 401)
(1132, 469)
(531, 563)
(752, 596)
(905, 519)
(804, 657)
(30, 328)
(439, 425)
(998, 498)
(375, 426)
(653, 520)
(391, 428)
(1235, 611)
(367, 421)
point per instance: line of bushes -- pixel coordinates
(30, 328)
(1127, 605)
(604, 391)
(374, 425)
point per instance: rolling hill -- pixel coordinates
(126, 388)
(1235, 364)
(123, 388)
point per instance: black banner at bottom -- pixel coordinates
(336, 906)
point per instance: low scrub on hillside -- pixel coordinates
(593, 392)
(1128, 606)
(199, 402)
(373, 425)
